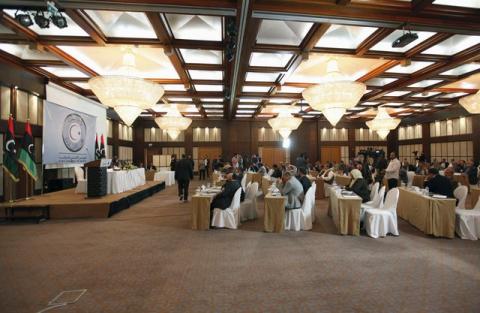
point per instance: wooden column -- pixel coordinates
(392, 142)
(476, 136)
(351, 143)
(426, 140)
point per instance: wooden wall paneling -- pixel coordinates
(426, 139)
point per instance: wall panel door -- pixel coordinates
(330, 153)
(273, 155)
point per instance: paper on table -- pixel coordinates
(439, 196)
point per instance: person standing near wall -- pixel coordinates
(393, 171)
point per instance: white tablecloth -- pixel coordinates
(120, 181)
(167, 176)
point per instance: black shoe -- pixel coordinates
(181, 198)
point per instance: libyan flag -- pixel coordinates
(10, 164)
(26, 157)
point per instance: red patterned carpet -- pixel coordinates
(146, 259)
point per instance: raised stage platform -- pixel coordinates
(67, 204)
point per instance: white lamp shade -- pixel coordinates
(284, 123)
(128, 114)
(383, 123)
(334, 96)
(129, 96)
(334, 115)
(471, 103)
(173, 122)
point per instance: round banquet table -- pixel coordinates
(167, 176)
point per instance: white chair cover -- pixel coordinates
(248, 208)
(376, 203)
(228, 218)
(461, 193)
(467, 222)
(301, 219)
(380, 222)
(81, 181)
(244, 182)
(79, 174)
(374, 190)
(410, 175)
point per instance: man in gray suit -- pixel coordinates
(293, 189)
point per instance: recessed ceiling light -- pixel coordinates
(248, 106)
(442, 105)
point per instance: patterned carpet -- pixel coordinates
(146, 259)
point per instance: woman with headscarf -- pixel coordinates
(359, 185)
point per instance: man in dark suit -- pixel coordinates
(439, 184)
(223, 200)
(183, 174)
(303, 179)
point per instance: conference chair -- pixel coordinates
(467, 222)
(375, 203)
(410, 175)
(230, 217)
(460, 193)
(248, 208)
(81, 181)
(374, 190)
(383, 221)
(301, 219)
(244, 182)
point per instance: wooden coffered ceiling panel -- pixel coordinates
(280, 48)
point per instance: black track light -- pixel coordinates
(41, 20)
(59, 20)
(24, 19)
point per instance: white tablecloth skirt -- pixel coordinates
(121, 181)
(167, 176)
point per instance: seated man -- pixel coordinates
(277, 172)
(304, 179)
(359, 185)
(439, 184)
(291, 188)
(223, 200)
(449, 174)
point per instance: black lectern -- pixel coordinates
(97, 177)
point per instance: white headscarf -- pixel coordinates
(356, 174)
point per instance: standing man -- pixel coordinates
(173, 162)
(393, 171)
(183, 175)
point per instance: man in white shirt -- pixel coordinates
(392, 171)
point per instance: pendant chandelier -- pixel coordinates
(284, 123)
(383, 123)
(126, 94)
(471, 103)
(334, 96)
(173, 122)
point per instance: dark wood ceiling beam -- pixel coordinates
(343, 2)
(44, 63)
(247, 35)
(430, 42)
(372, 40)
(204, 67)
(85, 22)
(391, 14)
(174, 57)
(420, 5)
(70, 60)
(379, 70)
(308, 43)
(266, 69)
(468, 55)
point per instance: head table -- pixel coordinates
(120, 181)
(167, 176)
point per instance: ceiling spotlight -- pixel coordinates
(24, 19)
(41, 20)
(59, 20)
